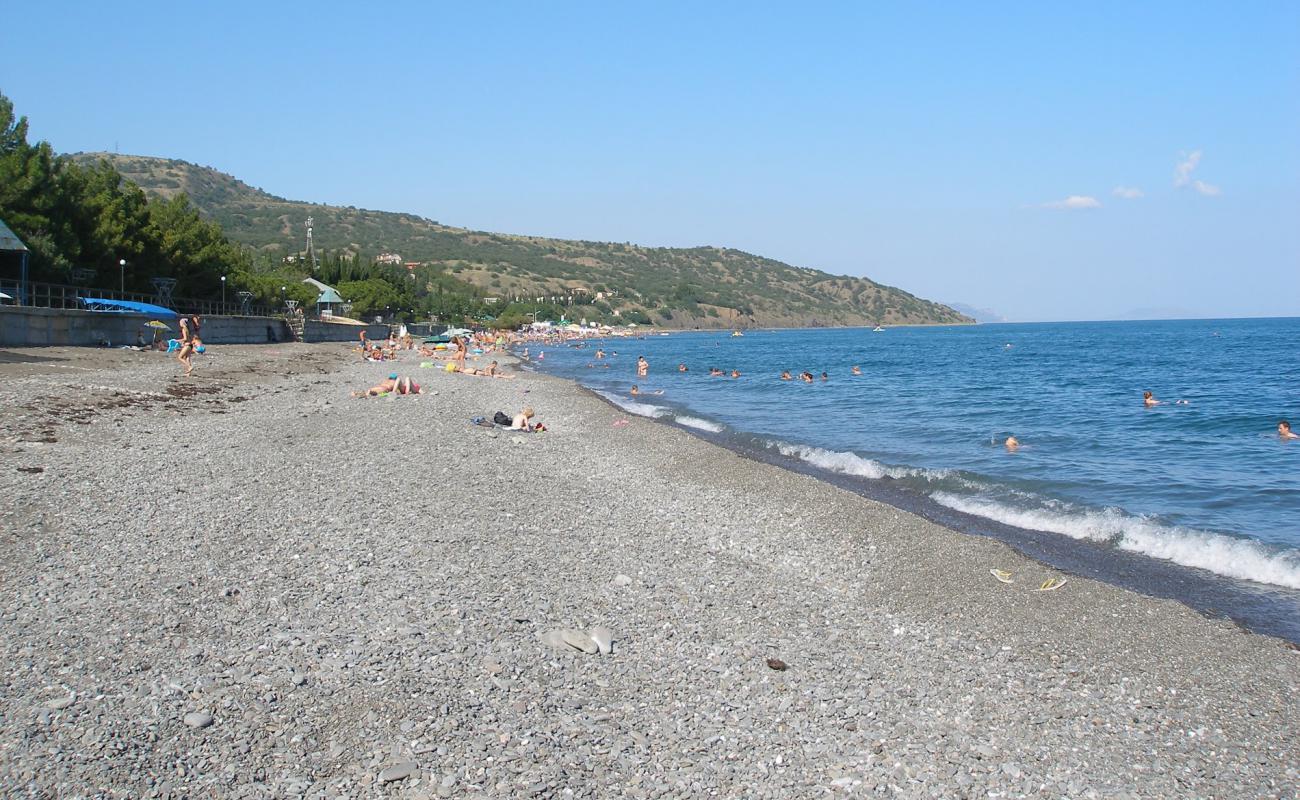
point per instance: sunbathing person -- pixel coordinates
(391, 385)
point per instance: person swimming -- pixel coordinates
(714, 372)
(1284, 431)
(785, 375)
(682, 368)
(825, 377)
(856, 370)
(1149, 399)
(806, 377)
(1012, 444)
(735, 373)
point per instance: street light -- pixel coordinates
(223, 294)
(122, 285)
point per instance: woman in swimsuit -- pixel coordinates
(189, 341)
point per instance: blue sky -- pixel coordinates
(964, 153)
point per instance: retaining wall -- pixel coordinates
(25, 326)
(314, 331)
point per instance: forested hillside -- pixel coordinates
(704, 286)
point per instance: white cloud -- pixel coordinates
(1074, 202)
(1127, 192)
(1183, 170)
(1183, 174)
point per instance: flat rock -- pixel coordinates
(397, 772)
(622, 580)
(60, 703)
(555, 641)
(603, 638)
(579, 640)
(198, 719)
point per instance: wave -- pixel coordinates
(846, 463)
(698, 424)
(633, 407)
(1217, 553)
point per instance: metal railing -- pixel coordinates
(54, 295)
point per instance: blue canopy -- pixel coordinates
(127, 307)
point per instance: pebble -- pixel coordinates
(397, 772)
(198, 719)
(622, 580)
(60, 703)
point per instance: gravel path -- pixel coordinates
(250, 585)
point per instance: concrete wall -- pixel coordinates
(24, 326)
(314, 331)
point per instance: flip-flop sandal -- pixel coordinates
(1051, 584)
(1001, 574)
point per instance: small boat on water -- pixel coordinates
(877, 329)
(737, 333)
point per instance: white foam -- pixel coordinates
(633, 407)
(1223, 555)
(699, 424)
(846, 463)
(833, 461)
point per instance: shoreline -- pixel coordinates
(1256, 608)
(336, 621)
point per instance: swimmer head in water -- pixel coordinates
(1012, 444)
(1284, 430)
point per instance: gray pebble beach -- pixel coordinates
(249, 584)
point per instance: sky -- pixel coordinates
(1047, 161)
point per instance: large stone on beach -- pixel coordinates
(570, 641)
(603, 638)
(579, 640)
(397, 772)
(198, 719)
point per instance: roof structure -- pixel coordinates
(9, 241)
(126, 307)
(328, 294)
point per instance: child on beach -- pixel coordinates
(523, 420)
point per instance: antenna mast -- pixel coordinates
(311, 249)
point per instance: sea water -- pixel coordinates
(1201, 481)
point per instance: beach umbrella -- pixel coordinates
(162, 326)
(4, 296)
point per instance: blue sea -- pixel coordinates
(1197, 498)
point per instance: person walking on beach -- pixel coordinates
(1285, 432)
(190, 342)
(642, 367)
(462, 350)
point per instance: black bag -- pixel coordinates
(501, 419)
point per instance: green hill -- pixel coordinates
(673, 287)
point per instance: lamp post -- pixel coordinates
(223, 294)
(121, 286)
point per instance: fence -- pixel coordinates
(54, 295)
